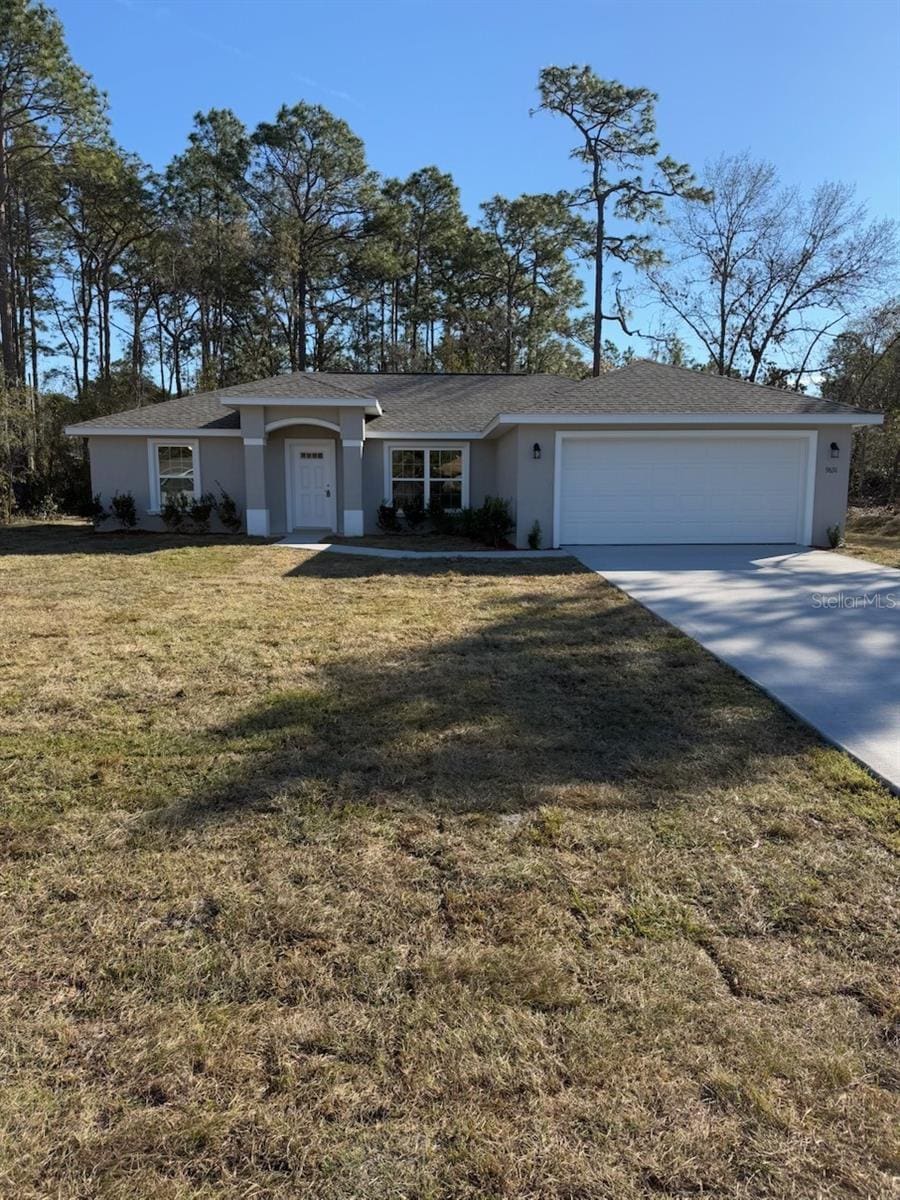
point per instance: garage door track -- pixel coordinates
(818, 631)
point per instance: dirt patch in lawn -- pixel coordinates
(330, 877)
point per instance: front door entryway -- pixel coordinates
(311, 484)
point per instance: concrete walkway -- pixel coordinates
(818, 631)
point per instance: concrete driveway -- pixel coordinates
(818, 631)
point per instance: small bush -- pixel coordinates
(201, 511)
(387, 517)
(467, 524)
(228, 511)
(835, 536)
(535, 537)
(494, 521)
(123, 508)
(95, 511)
(441, 520)
(46, 508)
(174, 511)
(491, 523)
(414, 512)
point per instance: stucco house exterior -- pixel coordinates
(646, 454)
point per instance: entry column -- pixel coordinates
(352, 436)
(254, 430)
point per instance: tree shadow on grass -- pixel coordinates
(69, 537)
(561, 697)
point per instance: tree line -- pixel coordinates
(257, 251)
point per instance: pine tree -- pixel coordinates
(616, 141)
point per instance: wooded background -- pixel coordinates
(280, 248)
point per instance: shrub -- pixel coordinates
(123, 508)
(535, 537)
(441, 520)
(468, 524)
(46, 508)
(174, 511)
(201, 510)
(228, 511)
(95, 511)
(835, 536)
(494, 521)
(414, 511)
(387, 517)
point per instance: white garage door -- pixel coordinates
(654, 488)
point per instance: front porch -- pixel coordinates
(303, 469)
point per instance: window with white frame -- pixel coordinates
(433, 474)
(174, 470)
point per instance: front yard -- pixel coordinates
(874, 534)
(333, 878)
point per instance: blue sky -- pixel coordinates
(812, 85)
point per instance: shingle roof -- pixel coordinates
(459, 403)
(430, 403)
(651, 387)
(300, 385)
(203, 411)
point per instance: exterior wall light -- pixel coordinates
(835, 450)
(536, 450)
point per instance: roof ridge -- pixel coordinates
(272, 379)
(439, 374)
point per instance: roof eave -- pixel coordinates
(369, 404)
(145, 431)
(459, 435)
(676, 418)
(509, 419)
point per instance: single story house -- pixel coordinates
(646, 454)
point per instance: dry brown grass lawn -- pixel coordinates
(874, 534)
(340, 878)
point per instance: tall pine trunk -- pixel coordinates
(7, 320)
(381, 334)
(301, 319)
(597, 365)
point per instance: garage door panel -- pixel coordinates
(693, 489)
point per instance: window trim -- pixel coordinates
(153, 446)
(436, 444)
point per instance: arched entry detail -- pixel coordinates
(285, 421)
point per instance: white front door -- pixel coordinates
(312, 486)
